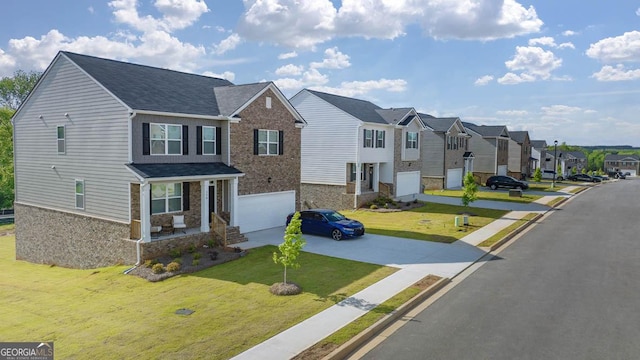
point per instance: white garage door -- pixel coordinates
(408, 183)
(265, 211)
(502, 170)
(454, 178)
(632, 172)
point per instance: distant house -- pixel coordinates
(570, 160)
(490, 148)
(111, 155)
(445, 153)
(539, 155)
(520, 160)
(353, 150)
(623, 162)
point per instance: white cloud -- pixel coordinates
(569, 33)
(288, 55)
(334, 59)
(227, 44)
(309, 78)
(289, 70)
(513, 79)
(534, 62)
(617, 49)
(176, 14)
(227, 75)
(354, 88)
(484, 80)
(566, 45)
(544, 41)
(513, 113)
(556, 110)
(619, 73)
(91, 10)
(638, 12)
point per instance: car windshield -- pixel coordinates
(334, 216)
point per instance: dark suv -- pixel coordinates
(497, 181)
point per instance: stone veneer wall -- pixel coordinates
(481, 178)
(433, 182)
(157, 248)
(398, 164)
(191, 217)
(70, 240)
(331, 197)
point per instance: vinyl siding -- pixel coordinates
(432, 153)
(515, 156)
(484, 152)
(96, 146)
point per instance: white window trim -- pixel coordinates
(380, 139)
(77, 194)
(167, 198)
(209, 141)
(63, 139)
(409, 143)
(368, 138)
(269, 142)
(165, 139)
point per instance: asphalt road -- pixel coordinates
(568, 289)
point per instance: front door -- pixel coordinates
(212, 201)
(370, 177)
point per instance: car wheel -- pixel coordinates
(493, 186)
(336, 235)
(519, 188)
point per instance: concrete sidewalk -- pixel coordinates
(415, 260)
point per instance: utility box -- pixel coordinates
(515, 193)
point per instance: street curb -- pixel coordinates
(512, 234)
(357, 341)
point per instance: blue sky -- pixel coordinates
(563, 70)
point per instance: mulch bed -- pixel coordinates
(400, 206)
(205, 261)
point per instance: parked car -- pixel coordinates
(617, 175)
(550, 174)
(328, 222)
(627, 174)
(497, 181)
(601, 177)
(583, 177)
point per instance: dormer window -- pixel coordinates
(412, 140)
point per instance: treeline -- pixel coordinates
(595, 154)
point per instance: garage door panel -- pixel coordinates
(502, 170)
(454, 178)
(408, 183)
(265, 211)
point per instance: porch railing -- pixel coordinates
(136, 229)
(219, 228)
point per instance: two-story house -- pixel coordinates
(490, 147)
(520, 159)
(539, 154)
(353, 150)
(446, 158)
(109, 153)
(570, 162)
(626, 163)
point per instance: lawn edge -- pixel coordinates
(355, 342)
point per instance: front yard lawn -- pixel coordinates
(486, 194)
(431, 222)
(104, 314)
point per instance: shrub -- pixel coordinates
(157, 269)
(177, 260)
(149, 263)
(386, 206)
(195, 262)
(197, 256)
(191, 249)
(175, 253)
(211, 243)
(373, 206)
(173, 266)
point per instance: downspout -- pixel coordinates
(358, 173)
(130, 155)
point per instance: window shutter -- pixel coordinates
(255, 141)
(280, 142)
(185, 196)
(406, 140)
(375, 140)
(185, 140)
(384, 140)
(146, 143)
(199, 139)
(218, 140)
(364, 138)
(150, 198)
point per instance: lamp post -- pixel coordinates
(555, 163)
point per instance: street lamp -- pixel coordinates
(555, 163)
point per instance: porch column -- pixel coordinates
(233, 201)
(358, 183)
(376, 177)
(204, 206)
(145, 211)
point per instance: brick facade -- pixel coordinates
(191, 217)
(433, 182)
(398, 164)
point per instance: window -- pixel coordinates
(166, 139)
(61, 139)
(380, 139)
(412, 140)
(268, 102)
(368, 138)
(208, 140)
(268, 142)
(352, 172)
(166, 198)
(79, 194)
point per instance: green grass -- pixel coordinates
(506, 231)
(487, 195)
(7, 227)
(116, 315)
(431, 222)
(555, 201)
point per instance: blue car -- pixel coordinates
(328, 223)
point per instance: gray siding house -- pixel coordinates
(520, 160)
(490, 147)
(123, 148)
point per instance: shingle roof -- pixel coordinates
(151, 171)
(231, 98)
(438, 124)
(575, 154)
(395, 115)
(360, 109)
(148, 88)
(486, 130)
(618, 157)
(518, 136)
(539, 144)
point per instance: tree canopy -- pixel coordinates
(14, 90)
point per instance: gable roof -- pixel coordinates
(618, 157)
(148, 88)
(539, 144)
(519, 136)
(574, 154)
(441, 124)
(360, 109)
(488, 130)
(231, 98)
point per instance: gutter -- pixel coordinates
(138, 260)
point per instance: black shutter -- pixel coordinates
(146, 143)
(185, 196)
(280, 142)
(199, 139)
(375, 140)
(384, 134)
(150, 198)
(255, 141)
(218, 140)
(364, 138)
(185, 140)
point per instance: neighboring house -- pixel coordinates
(446, 158)
(570, 160)
(490, 147)
(353, 150)
(539, 155)
(106, 152)
(520, 160)
(623, 162)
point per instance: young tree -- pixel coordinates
(470, 190)
(6, 158)
(290, 248)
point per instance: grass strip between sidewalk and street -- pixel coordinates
(492, 195)
(508, 230)
(555, 201)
